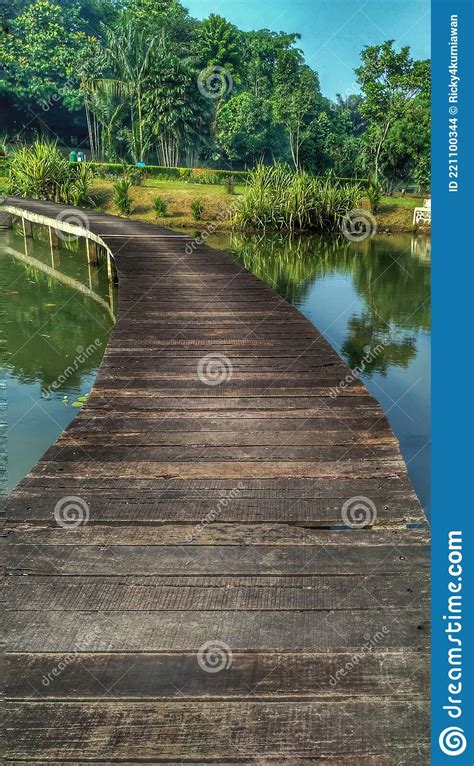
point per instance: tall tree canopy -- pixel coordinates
(390, 82)
(133, 80)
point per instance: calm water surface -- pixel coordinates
(55, 339)
(368, 295)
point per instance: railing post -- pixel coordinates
(53, 237)
(91, 251)
(27, 228)
(110, 275)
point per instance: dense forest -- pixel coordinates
(144, 81)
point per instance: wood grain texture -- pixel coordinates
(215, 513)
(243, 731)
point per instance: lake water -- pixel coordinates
(372, 295)
(368, 299)
(55, 339)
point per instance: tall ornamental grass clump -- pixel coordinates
(280, 198)
(122, 197)
(40, 171)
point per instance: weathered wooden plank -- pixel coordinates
(396, 488)
(138, 434)
(402, 675)
(216, 594)
(236, 470)
(203, 731)
(212, 533)
(213, 560)
(229, 503)
(216, 452)
(410, 755)
(45, 631)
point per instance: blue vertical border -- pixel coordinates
(453, 386)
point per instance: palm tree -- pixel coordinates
(130, 55)
(176, 113)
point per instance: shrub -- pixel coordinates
(229, 184)
(205, 176)
(160, 206)
(197, 209)
(374, 194)
(194, 175)
(282, 198)
(136, 175)
(122, 197)
(82, 177)
(209, 176)
(42, 172)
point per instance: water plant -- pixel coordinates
(281, 198)
(122, 196)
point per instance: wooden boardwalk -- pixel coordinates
(212, 606)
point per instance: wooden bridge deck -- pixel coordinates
(214, 518)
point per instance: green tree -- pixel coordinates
(296, 101)
(153, 17)
(218, 43)
(176, 114)
(262, 49)
(244, 128)
(39, 54)
(408, 155)
(390, 82)
(350, 109)
(130, 55)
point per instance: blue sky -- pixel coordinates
(333, 31)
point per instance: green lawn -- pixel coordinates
(410, 202)
(186, 186)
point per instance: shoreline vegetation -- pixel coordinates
(271, 197)
(395, 213)
(209, 118)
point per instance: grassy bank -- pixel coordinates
(395, 214)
